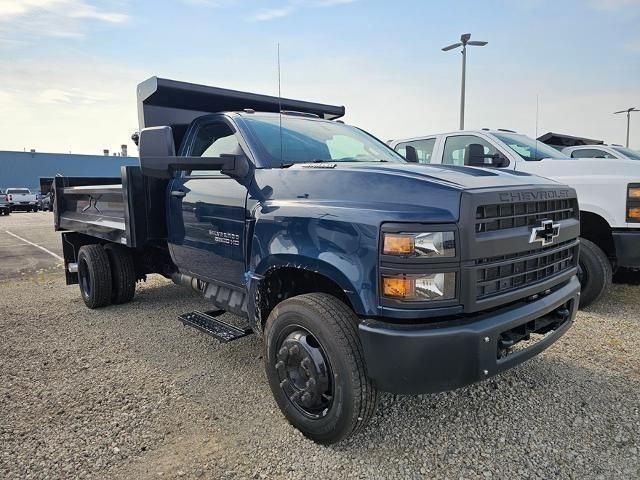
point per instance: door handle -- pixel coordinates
(177, 193)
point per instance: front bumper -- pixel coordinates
(627, 243)
(440, 356)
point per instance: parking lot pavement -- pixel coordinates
(128, 392)
(28, 245)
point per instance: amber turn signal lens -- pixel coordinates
(633, 212)
(634, 193)
(398, 287)
(398, 244)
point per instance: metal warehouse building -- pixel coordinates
(24, 169)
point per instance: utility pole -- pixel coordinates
(464, 41)
(628, 112)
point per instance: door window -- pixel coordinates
(213, 140)
(456, 145)
(424, 149)
(590, 153)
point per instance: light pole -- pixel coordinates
(628, 112)
(464, 41)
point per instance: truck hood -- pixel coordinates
(395, 192)
(457, 177)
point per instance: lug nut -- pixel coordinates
(284, 383)
(294, 350)
(279, 365)
(306, 398)
(311, 383)
(283, 353)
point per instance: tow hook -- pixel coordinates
(563, 313)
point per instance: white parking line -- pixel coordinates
(35, 245)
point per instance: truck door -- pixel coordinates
(453, 152)
(207, 211)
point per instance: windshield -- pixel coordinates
(528, 148)
(627, 152)
(18, 191)
(307, 140)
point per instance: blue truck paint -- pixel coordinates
(250, 240)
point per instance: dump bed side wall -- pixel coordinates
(129, 210)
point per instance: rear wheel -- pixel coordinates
(94, 276)
(594, 272)
(123, 273)
(315, 366)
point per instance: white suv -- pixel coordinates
(608, 193)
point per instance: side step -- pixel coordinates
(207, 323)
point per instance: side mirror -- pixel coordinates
(411, 154)
(156, 142)
(474, 155)
(158, 157)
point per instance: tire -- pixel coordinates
(594, 271)
(329, 329)
(94, 276)
(123, 273)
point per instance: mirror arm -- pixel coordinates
(165, 167)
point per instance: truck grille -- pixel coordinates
(494, 217)
(502, 274)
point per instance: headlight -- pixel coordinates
(426, 244)
(633, 202)
(431, 286)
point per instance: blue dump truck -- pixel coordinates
(361, 272)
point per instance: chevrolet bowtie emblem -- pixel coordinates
(545, 233)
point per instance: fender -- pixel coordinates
(345, 253)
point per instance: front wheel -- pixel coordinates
(594, 272)
(315, 366)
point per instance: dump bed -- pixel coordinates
(128, 210)
(170, 103)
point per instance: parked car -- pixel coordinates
(5, 206)
(609, 197)
(360, 272)
(22, 199)
(46, 203)
(602, 151)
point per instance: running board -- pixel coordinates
(207, 323)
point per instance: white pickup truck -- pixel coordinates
(22, 199)
(608, 192)
(617, 152)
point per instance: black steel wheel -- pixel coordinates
(304, 372)
(94, 276)
(315, 366)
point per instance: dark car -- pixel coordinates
(5, 206)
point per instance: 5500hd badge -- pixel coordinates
(227, 238)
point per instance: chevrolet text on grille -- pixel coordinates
(529, 196)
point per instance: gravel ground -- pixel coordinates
(128, 392)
